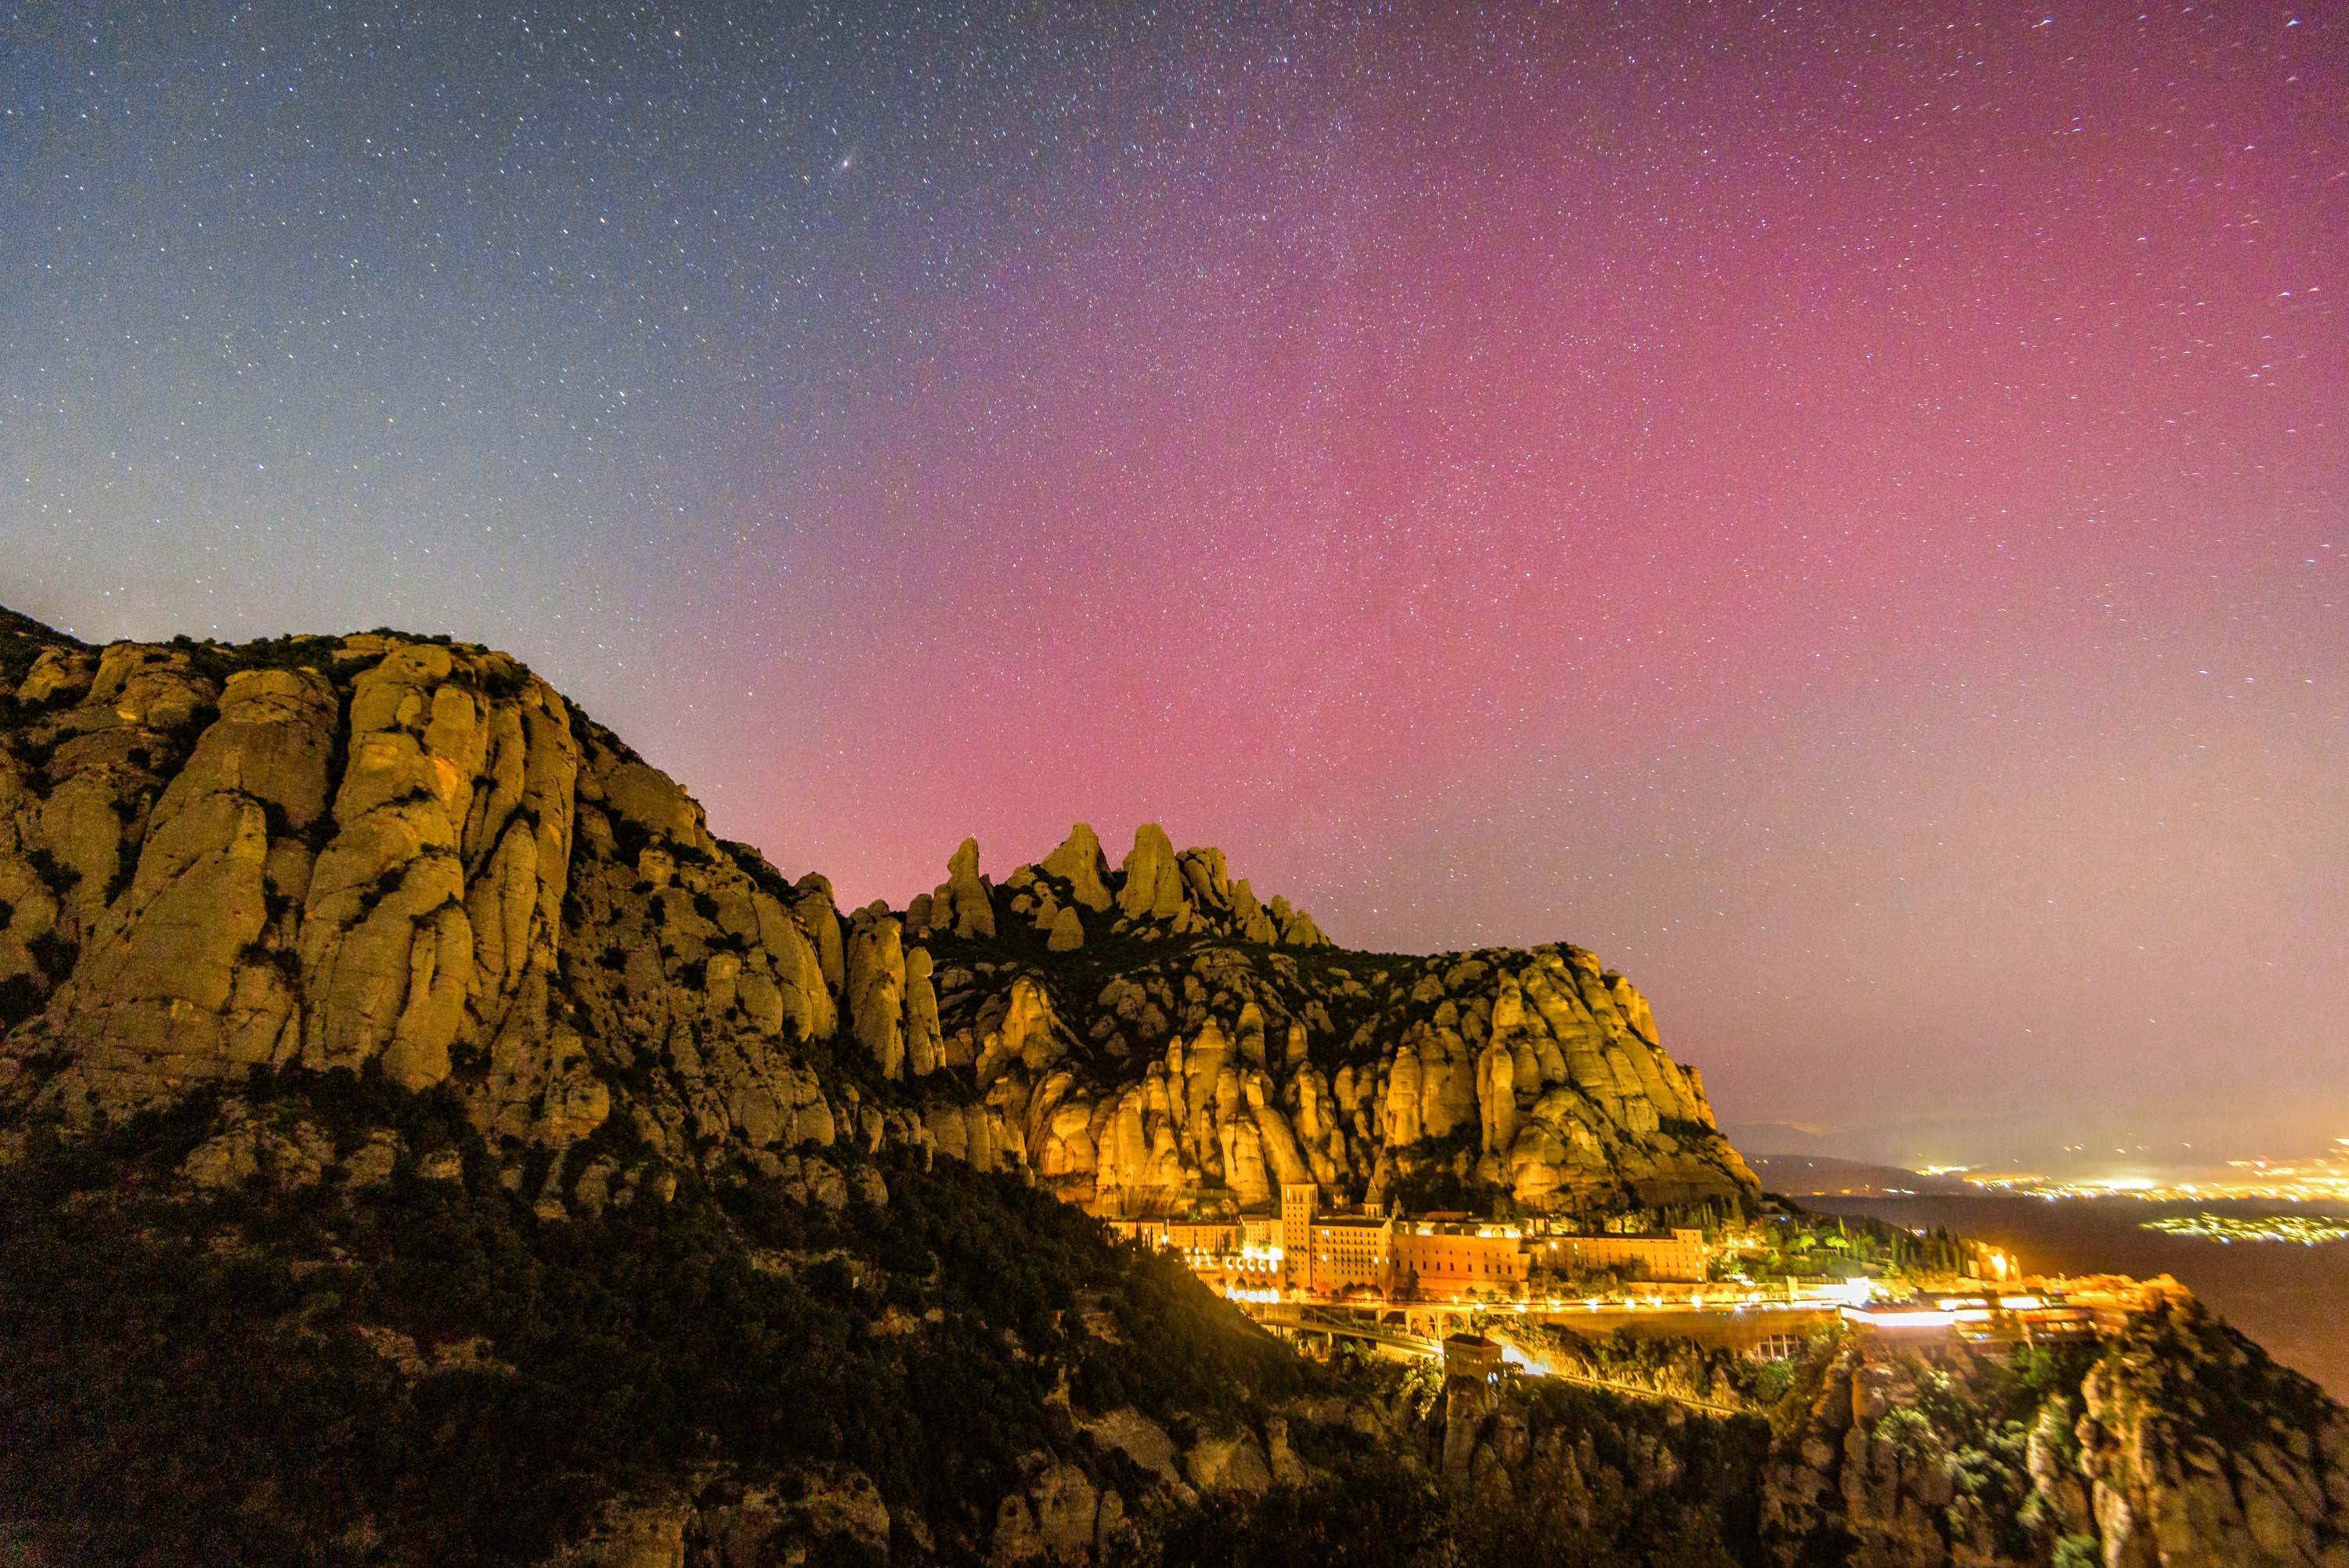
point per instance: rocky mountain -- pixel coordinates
(421, 1142)
(2174, 1443)
(403, 856)
(1824, 1176)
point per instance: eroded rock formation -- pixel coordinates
(412, 858)
(2199, 1450)
(2184, 1447)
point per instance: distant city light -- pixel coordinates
(2307, 1230)
(2321, 1178)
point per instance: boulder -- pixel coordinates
(924, 1045)
(812, 900)
(1228, 1462)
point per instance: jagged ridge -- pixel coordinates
(415, 861)
(414, 857)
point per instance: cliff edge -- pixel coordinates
(414, 858)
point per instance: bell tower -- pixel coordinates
(1300, 1204)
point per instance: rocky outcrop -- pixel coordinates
(1508, 1073)
(1547, 1474)
(1157, 894)
(831, 1512)
(1151, 884)
(398, 857)
(411, 858)
(2200, 1452)
(1059, 1516)
(877, 989)
(1079, 862)
(2183, 1446)
(963, 903)
(1886, 1484)
(925, 1044)
(272, 865)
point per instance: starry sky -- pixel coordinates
(1842, 509)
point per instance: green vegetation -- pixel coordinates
(1792, 1243)
(1615, 1484)
(425, 1370)
(218, 661)
(225, 1350)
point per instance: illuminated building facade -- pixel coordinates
(1300, 1203)
(1351, 1255)
(1298, 1251)
(1436, 1260)
(1679, 1257)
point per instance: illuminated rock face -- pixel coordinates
(1391, 1073)
(395, 857)
(414, 859)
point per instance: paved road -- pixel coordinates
(1298, 1316)
(1634, 1391)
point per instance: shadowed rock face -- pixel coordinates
(2171, 1443)
(414, 858)
(2182, 1447)
(2199, 1450)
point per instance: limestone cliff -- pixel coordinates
(410, 857)
(2198, 1448)
(785, 1329)
(2181, 1446)
(1142, 1076)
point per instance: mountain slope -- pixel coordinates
(354, 1358)
(1824, 1176)
(421, 1142)
(415, 857)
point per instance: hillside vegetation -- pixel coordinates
(421, 1142)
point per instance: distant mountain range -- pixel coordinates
(1822, 1176)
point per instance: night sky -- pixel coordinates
(1847, 518)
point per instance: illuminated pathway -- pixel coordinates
(1634, 1391)
(1738, 1324)
(1296, 1317)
